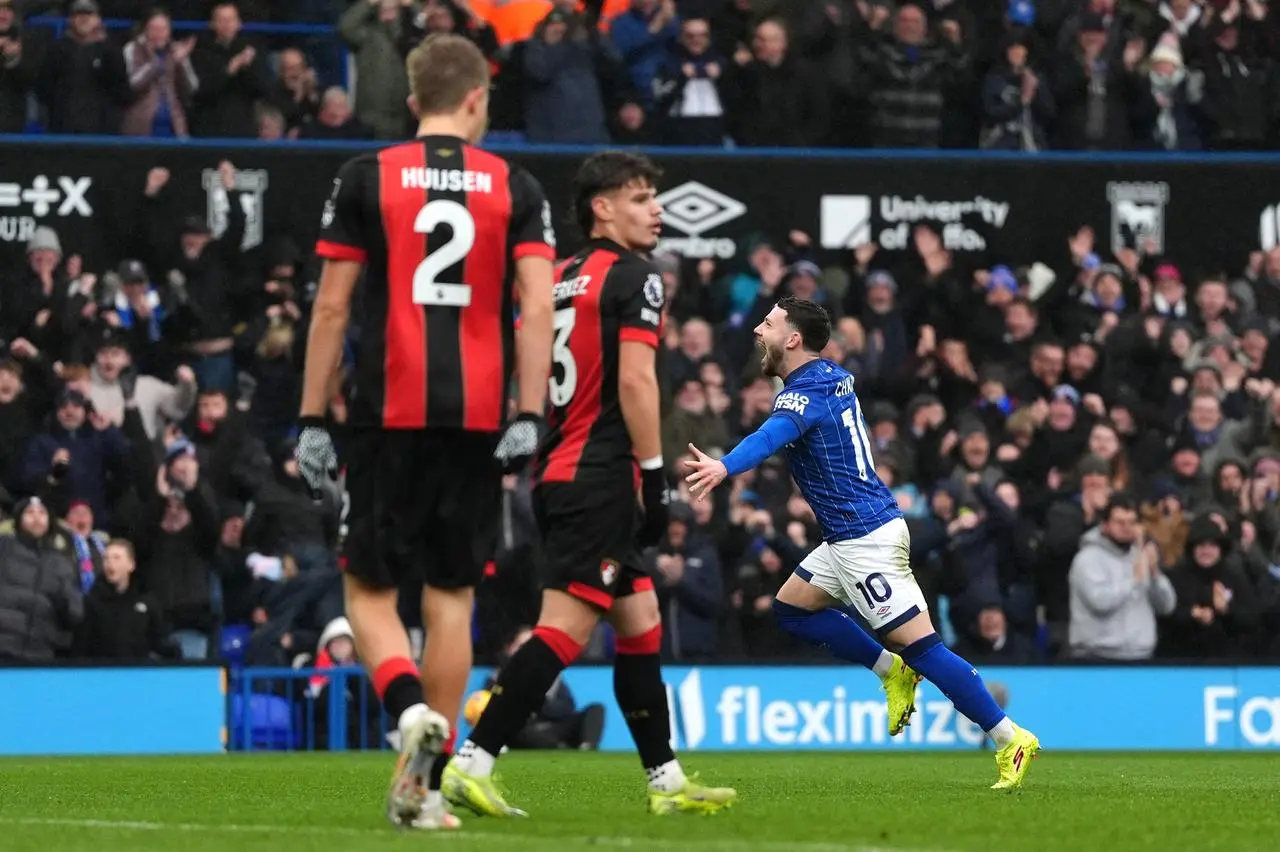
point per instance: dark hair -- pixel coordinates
(1119, 502)
(810, 319)
(608, 171)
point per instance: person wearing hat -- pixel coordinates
(804, 281)
(177, 548)
(1017, 105)
(1061, 440)
(136, 304)
(83, 79)
(36, 297)
(1189, 477)
(40, 598)
(114, 385)
(994, 405)
(77, 457)
(1117, 589)
(1169, 295)
(1175, 125)
(1217, 615)
(887, 342)
(1082, 498)
(984, 325)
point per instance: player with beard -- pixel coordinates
(604, 439)
(864, 559)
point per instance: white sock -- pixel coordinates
(473, 760)
(1003, 732)
(409, 716)
(667, 778)
(884, 664)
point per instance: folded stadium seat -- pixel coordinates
(235, 640)
(270, 723)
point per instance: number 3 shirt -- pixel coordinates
(438, 225)
(605, 295)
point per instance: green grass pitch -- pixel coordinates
(829, 802)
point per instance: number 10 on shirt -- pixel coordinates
(852, 419)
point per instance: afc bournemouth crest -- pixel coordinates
(608, 571)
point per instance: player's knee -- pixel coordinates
(564, 645)
(789, 617)
(647, 642)
(635, 614)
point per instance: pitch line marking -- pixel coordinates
(460, 835)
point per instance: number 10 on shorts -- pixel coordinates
(875, 590)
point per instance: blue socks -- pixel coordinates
(832, 629)
(958, 680)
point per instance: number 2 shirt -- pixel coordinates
(438, 225)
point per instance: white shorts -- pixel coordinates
(872, 573)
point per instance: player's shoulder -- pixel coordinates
(824, 378)
(517, 175)
(359, 166)
(632, 273)
(632, 266)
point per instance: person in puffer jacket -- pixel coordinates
(40, 597)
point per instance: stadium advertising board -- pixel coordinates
(97, 711)
(730, 708)
(987, 210)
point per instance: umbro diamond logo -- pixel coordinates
(695, 208)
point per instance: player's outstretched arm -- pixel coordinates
(775, 433)
(535, 280)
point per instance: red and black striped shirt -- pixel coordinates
(438, 224)
(604, 295)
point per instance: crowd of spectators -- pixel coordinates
(1087, 449)
(1175, 75)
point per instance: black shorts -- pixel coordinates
(589, 540)
(425, 507)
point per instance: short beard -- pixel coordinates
(771, 361)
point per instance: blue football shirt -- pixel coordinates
(831, 460)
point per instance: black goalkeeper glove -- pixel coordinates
(653, 490)
(519, 442)
(317, 459)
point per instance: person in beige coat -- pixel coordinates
(162, 79)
